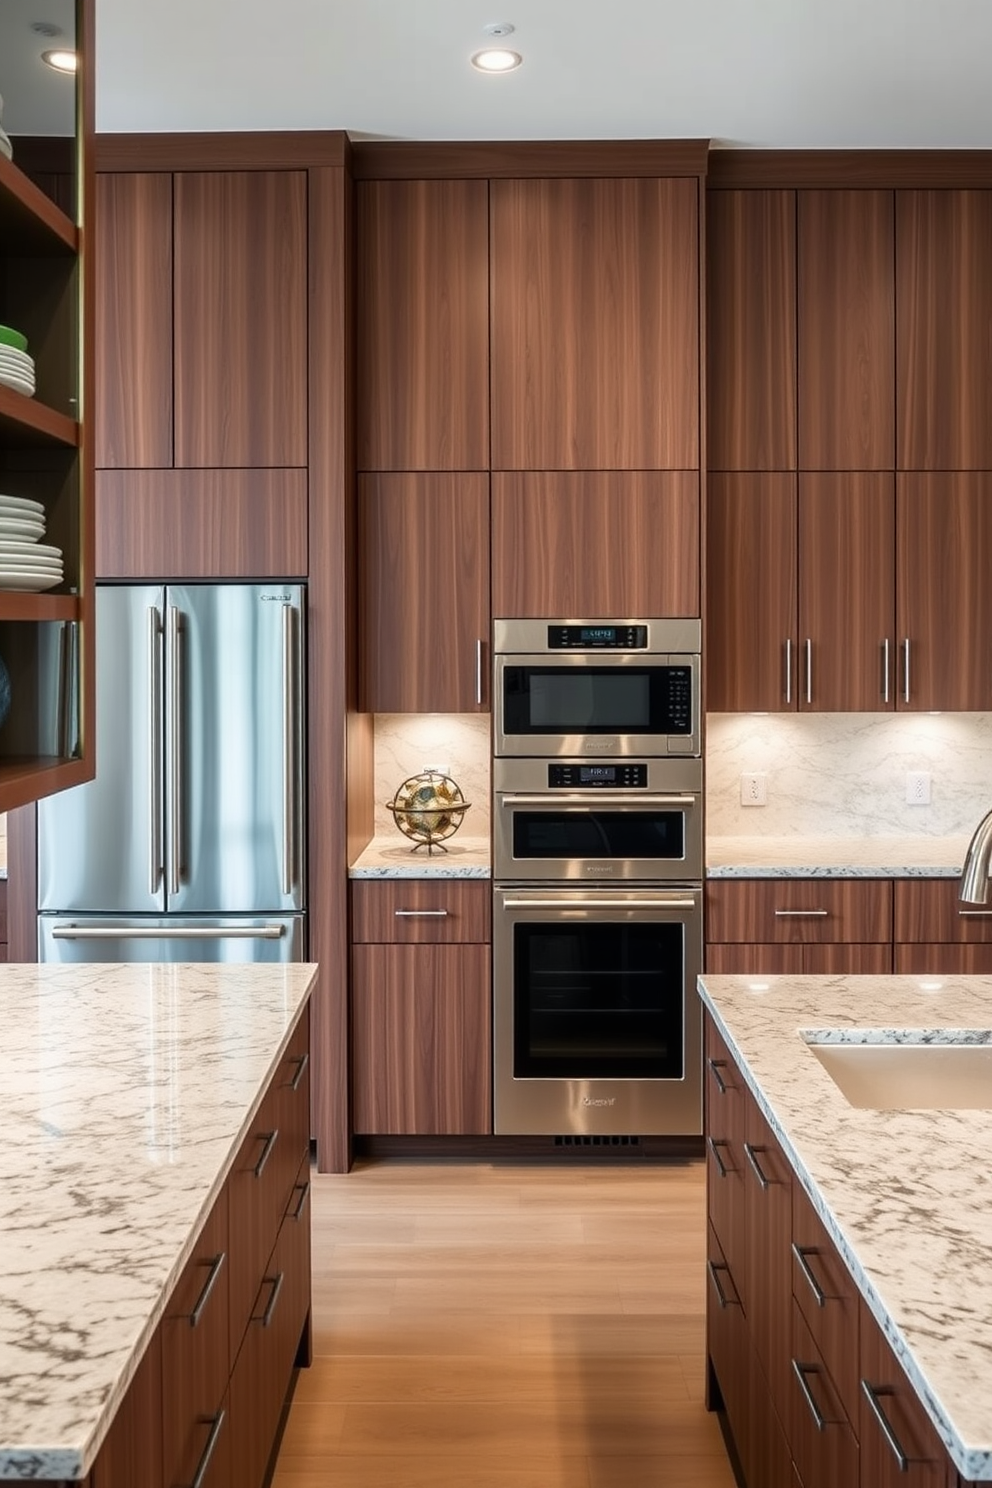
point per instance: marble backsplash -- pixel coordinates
(844, 774)
(456, 743)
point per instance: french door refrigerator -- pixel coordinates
(189, 844)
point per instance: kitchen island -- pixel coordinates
(128, 1103)
(904, 1195)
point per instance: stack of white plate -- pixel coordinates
(16, 369)
(25, 561)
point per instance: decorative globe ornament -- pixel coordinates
(428, 807)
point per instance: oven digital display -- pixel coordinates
(597, 635)
(597, 774)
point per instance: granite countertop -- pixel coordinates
(392, 857)
(906, 1195)
(126, 1093)
(835, 857)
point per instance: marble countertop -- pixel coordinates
(126, 1092)
(392, 857)
(834, 857)
(906, 1195)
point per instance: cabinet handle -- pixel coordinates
(216, 1424)
(154, 758)
(871, 1394)
(478, 673)
(905, 673)
(752, 1156)
(788, 671)
(713, 1267)
(975, 914)
(304, 1189)
(715, 1145)
(301, 1061)
(175, 763)
(716, 1065)
(270, 1142)
(809, 670)
(215, 1269)
(885, 670)
(275, 1282)
(288, 740)
(801, 914)
(801, 1371)
(819, 1295)
(421, 914)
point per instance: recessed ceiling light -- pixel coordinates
(60, 61)
(496, 59)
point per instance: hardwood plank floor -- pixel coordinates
(506, 1326)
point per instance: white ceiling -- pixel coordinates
(775, 73)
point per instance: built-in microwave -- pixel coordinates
(593, 689)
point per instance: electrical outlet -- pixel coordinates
(754, 789)
(918, 787)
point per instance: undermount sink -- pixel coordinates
(892, 1075)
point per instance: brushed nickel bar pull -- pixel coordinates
(975, 914)
(802, 914)
(819, 1295)
(713, 1267)
(885, 670)
(715, 1145)
(216, 1266)
(216, 1424)
(788, 670)
(751, 1153)
(716, 1065)
(169, 932)
(175, 752)
(871, 1394)
(275, 1282)
(905, 685)
(809, 670)
(154, 757)
(301, 1063)
(270, 1139)
(304, 1191)
(421, 914)
(478, 673)
(599, 904)
(288, 774)
(601, 798)
(801, 1371)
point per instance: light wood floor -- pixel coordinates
(506, 1327)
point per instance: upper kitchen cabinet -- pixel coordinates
(846, 330)
(944, 330)
(595, 543)
(423, 547)
(751, 329)
(423, 325)
(202, 323)
(594, 304)
(46, 458)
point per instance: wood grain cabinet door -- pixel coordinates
(423, 543)
(943, 595)
(132, 1449)
(943, 345)
(768, 1238)
(132, 402)
(594, 303)
(240, 318)
(900, 1447)
(846, 330)
(596, 543)
(423, 325)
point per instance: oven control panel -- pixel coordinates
(620, 776)
(597, 637)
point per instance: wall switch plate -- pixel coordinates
(754, 789)
(918, 787)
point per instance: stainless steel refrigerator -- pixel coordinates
(189, 845)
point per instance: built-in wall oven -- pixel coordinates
(598, 862)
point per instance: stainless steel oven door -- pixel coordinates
(596, 1021)
(603, 832)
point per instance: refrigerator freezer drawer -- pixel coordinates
(82, 938)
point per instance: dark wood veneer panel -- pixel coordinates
(751, 330)
(858, 910)
(754, 959)
(944, 330)
(241, 318)
(201, 524)
(423, 325)
(594, 301)
(132, 409)
(943, 958)
(839, 169)
(244, 150)
(928, 909)
(423, 160)
(846, 330)
(751, 589)
(595, 543)
(466, 906)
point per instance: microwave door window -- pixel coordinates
(570, 700)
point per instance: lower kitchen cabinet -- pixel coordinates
(812, 927)
(899, 1446)
(935, 934)
(132, 1449)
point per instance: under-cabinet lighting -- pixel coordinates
(496, 59)
(61, 61)
(757, 986)
(931, 986)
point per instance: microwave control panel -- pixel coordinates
(623, 775)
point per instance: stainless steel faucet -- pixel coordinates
(974, 885)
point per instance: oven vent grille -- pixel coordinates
(597, 1141)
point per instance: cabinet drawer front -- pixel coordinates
(945, 959)
(421, 911)
(724, 1098)
(927, 909)
(727, 1341)
(799, 910)
(196, 1351)
(827, 1298)
(824, 1445)
(259, 1187)
(907, 1428)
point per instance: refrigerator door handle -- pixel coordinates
(170, 932)
(175, 753)
(154, 756)
(288, 750)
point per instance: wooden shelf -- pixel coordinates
(26, 778)
(15, 605)
(25, 421)
(29, 221)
